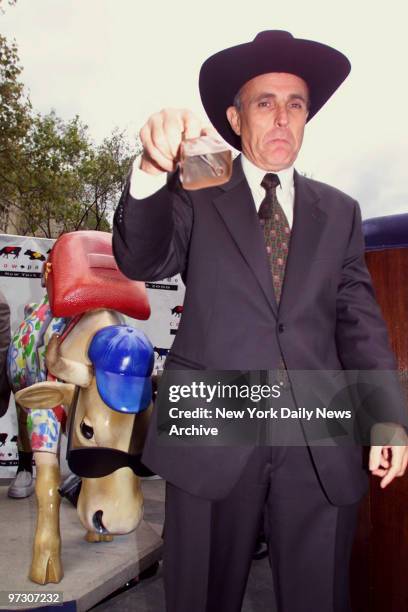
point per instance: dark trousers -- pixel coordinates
(208, 545)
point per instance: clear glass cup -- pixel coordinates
(205, 161)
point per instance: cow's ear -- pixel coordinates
(46, 395)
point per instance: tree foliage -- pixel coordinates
(15, 119)
(53, 178)
(65, 182)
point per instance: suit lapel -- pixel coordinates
(309, 219)
(236, 206)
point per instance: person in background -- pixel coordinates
(23, 484)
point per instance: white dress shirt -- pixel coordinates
(143, 185)
(285, 192)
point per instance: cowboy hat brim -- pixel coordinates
(222, 75)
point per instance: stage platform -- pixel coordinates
(91, 571)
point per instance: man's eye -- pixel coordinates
(296, 105)
(264, 104)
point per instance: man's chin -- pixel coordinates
(278, 159)
(276, 165)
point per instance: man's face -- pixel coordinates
(271, 119)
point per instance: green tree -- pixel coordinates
(66, 182)
(15, 121)
(53, 178)
(103, 175)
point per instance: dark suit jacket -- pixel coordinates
(328, 317)
(4, 346)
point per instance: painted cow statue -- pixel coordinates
(92, 372)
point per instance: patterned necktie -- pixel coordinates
(276, 231)
(277, 235)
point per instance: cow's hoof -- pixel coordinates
(46, 568)
(92, 536)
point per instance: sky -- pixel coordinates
(115, 62)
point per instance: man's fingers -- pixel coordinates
(392, 473)
(159, 140)
(375, 457)
(173, 128)
(162, 135)
(384, 461)
(191, 125)
(398, 465)
(379, 472)
(152, 152)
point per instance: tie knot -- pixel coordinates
(270, 181)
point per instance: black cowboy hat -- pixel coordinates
(222, 75)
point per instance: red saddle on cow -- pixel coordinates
(81, 274)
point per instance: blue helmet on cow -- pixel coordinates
(123, 359)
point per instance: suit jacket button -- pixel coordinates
(281, 328)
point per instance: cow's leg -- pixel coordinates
(46, 562)
(44, 428)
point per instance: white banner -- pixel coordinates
(21, 260)
(166, 301)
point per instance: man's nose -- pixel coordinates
(281, 117)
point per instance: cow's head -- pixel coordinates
(109, 401)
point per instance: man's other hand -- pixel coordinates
(389, 461)
(161, 136)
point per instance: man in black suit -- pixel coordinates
(275, 278)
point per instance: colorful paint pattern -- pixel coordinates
(26, 366)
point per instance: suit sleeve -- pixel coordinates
(362, 339)
(151, 236)
(361, 333)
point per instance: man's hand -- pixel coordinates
(390, 460)
(161, 136)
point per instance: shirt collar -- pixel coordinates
(254, 176)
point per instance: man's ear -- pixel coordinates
(234, 119)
